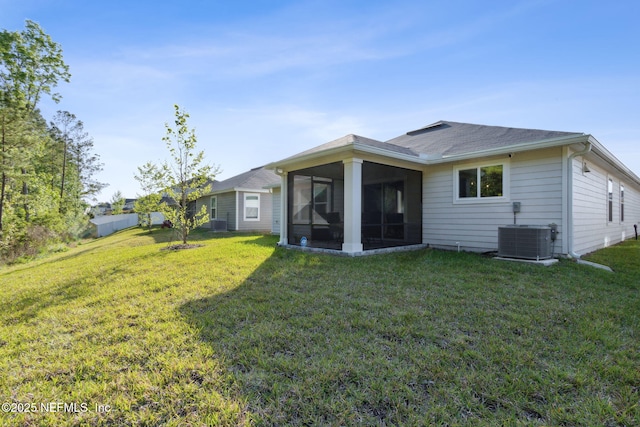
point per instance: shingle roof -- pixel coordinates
(352, 140)
(440, 140)
(256, 178)
(446, 138)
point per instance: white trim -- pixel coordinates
(244, 207)
(237, 210)
(506, 180)
(236, 189)
(565, 201)
(284, 197)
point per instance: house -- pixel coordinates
(453, 185)
(101, 209)
(129, 205)
(242, 202)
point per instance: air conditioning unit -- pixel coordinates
(524, 241)
(218, 225)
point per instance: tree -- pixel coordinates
(151, 181)
(87, 164)
(31, 65)
(117, 203)
(186, 176)
(65, 129)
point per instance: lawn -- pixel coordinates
(118, 331)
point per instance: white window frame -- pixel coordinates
(213, 206)
(506, 174)
(246, 196)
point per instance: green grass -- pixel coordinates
(238, 332)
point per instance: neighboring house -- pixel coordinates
(101, 209)
(241, 203)
(129, 205)
(452, 185)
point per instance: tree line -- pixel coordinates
(47, 169)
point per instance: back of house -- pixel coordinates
(454, 185)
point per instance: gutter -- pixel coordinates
(586, 150)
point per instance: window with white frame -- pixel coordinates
(252, 207)
(482, 182)
(214, 207)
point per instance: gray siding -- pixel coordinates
(592, 227)
(226, 208)
(535, 180)
(266, 213)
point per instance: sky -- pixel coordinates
(264, 80)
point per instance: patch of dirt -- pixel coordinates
(180, 247)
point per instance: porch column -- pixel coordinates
(284, 203)
(352, 205)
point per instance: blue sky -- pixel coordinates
(263, 80)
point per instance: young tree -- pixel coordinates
(186, 176)
(117, 203)
(151, 181)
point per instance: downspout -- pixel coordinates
(586, 150)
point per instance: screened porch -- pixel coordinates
(390, 212)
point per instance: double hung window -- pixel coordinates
(252, 207)
(214, 207)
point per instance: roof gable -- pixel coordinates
(354, 141)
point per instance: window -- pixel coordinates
(252, 207)
(610, 200)
(484, 182)
(214, 207)
(621, 203)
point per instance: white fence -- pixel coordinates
(109, 224)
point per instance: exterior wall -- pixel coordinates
(592, 228)
(227, 211)
(534, 180)
(266, 213)
(226, 208)
(275, 219)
